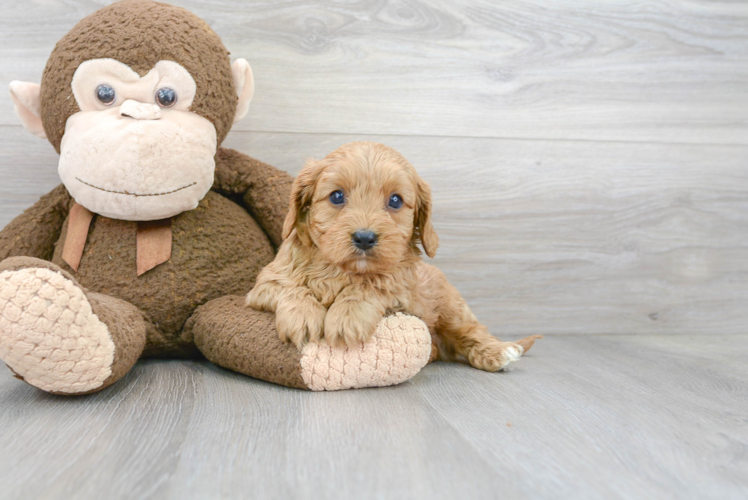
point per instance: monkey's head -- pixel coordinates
(136, 99)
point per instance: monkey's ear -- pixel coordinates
(424, 231)
(245, 87)
(27, 102)
(302, 193)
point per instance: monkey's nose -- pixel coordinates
(140, 110)
(364, 239)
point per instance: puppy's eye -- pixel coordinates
(166, 97)
(337, 197)
(105, 94)
(396, 202)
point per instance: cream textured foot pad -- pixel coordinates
(48, 333)
(398, 350)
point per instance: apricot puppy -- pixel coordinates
(350, 256)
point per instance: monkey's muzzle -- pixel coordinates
(139, 110)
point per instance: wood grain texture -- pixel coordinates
(671, 71)
(580, 417)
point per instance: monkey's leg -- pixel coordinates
(237, 337)
(463, 334)
(60, 338)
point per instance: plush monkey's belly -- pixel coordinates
(218, 249)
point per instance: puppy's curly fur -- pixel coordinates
(323, 285)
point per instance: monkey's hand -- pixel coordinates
(351, 322)
(299, 317)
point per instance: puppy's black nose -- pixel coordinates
(364, 239)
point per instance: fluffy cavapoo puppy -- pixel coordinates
(350, 256)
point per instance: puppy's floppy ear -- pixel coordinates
(423, 230)
(302, 193)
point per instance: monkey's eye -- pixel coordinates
(396, 201)
(105, 94)
(337, 197)
(166, 97)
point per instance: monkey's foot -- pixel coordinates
(49, 336)
(399, 348)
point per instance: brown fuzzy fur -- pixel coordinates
(321, 286)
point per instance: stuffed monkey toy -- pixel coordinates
(156, 233)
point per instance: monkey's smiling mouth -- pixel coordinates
(136, 195)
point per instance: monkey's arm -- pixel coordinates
(35, 232)
(264, 190)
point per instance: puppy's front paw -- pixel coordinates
(300, 320)
(258, 299)
(494, 355)
(350, 322)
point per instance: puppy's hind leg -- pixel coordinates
(460, 328)
(463, 334)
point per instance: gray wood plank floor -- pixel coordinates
(589, 163)
(644, 416)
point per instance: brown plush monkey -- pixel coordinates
(156, 234)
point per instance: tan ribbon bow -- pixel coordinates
(153, 240)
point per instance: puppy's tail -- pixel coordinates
(527, 342)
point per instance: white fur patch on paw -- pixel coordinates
(48, 333)
(397, 351)
(510, 356)
(494, 355)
